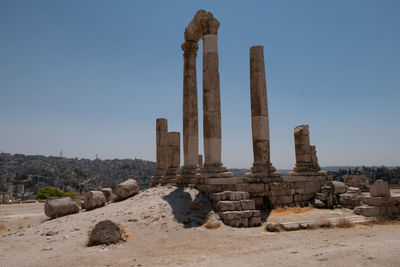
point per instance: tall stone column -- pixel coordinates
(190, 108)
(259, 113)
(211, 99)
(161, 150)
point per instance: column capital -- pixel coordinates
(210, 26)
(190, 46)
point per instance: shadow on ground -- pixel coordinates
(191, 213)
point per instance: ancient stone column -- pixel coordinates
(161, 139)
(200, 161)
(211, 98)
(161, 150)
(306, 157)
(190, 108)
(259, 112)
(174, 152)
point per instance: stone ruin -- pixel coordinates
(238, 201)
(359, 181)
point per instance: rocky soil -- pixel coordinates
(166, 227)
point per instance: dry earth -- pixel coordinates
(167, 229)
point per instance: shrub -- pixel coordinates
(344, 223)
(47, 192)
(3, 229)
(211, 225)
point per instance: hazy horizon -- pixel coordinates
(91, 77)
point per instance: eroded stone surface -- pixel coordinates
(105, 232)
(379, 189)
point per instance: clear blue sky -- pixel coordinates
(89, 77)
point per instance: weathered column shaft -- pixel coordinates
(161, 144)
(302, 144)
(174, 150)
(306, 155)
(211, 102)
(190, 107)
(259, 108)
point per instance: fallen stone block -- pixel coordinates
(379, 189)
(357, 181)
(273, 227)
(126, 189)
(94, 199)
(368, 211)
(379, 201)
(338, 187)
(320, 196)
(350, 200)
(60, 207)
(105, 232)
(290, 226)
(108, 194)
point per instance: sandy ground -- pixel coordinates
(166, 231)
(18, 216)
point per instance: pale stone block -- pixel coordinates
(210, 43)
(379, 189)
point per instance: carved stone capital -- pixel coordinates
(190, 46)
(210, 26)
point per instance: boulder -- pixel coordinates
(273, 227)
(60, 207)
(104, 232)
(126, 189)
(379, 189)
(94, 199)
(108, 194)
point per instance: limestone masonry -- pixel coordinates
(239, 201)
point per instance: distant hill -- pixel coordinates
(35, 172)
(79, 175)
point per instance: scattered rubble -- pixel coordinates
(358, 181)
(379, 203)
